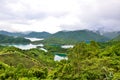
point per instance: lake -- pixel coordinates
(29, 46)
(34, 39)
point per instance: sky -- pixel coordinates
(57, 15)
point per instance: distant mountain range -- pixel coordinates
(69, 37)
(25, 34)
(14, 40)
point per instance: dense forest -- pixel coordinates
(86, 61)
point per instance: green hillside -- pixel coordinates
(17, 64)
(71, 37)
(38, 34)
(14, 56)
(29, 58)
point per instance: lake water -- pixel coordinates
(30, 46)
(67, 46)
(27, 46)
(34, 39)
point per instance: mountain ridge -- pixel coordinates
(74, 37)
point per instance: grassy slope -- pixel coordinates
(14, 56)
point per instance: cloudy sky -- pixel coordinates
(56, 15)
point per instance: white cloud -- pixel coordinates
(50, 24)
(55, 15)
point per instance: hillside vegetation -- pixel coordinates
(93, 61)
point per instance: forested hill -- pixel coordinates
(38, 34)
(11, 39)
(71, 37)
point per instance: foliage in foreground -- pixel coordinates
(86, 62)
